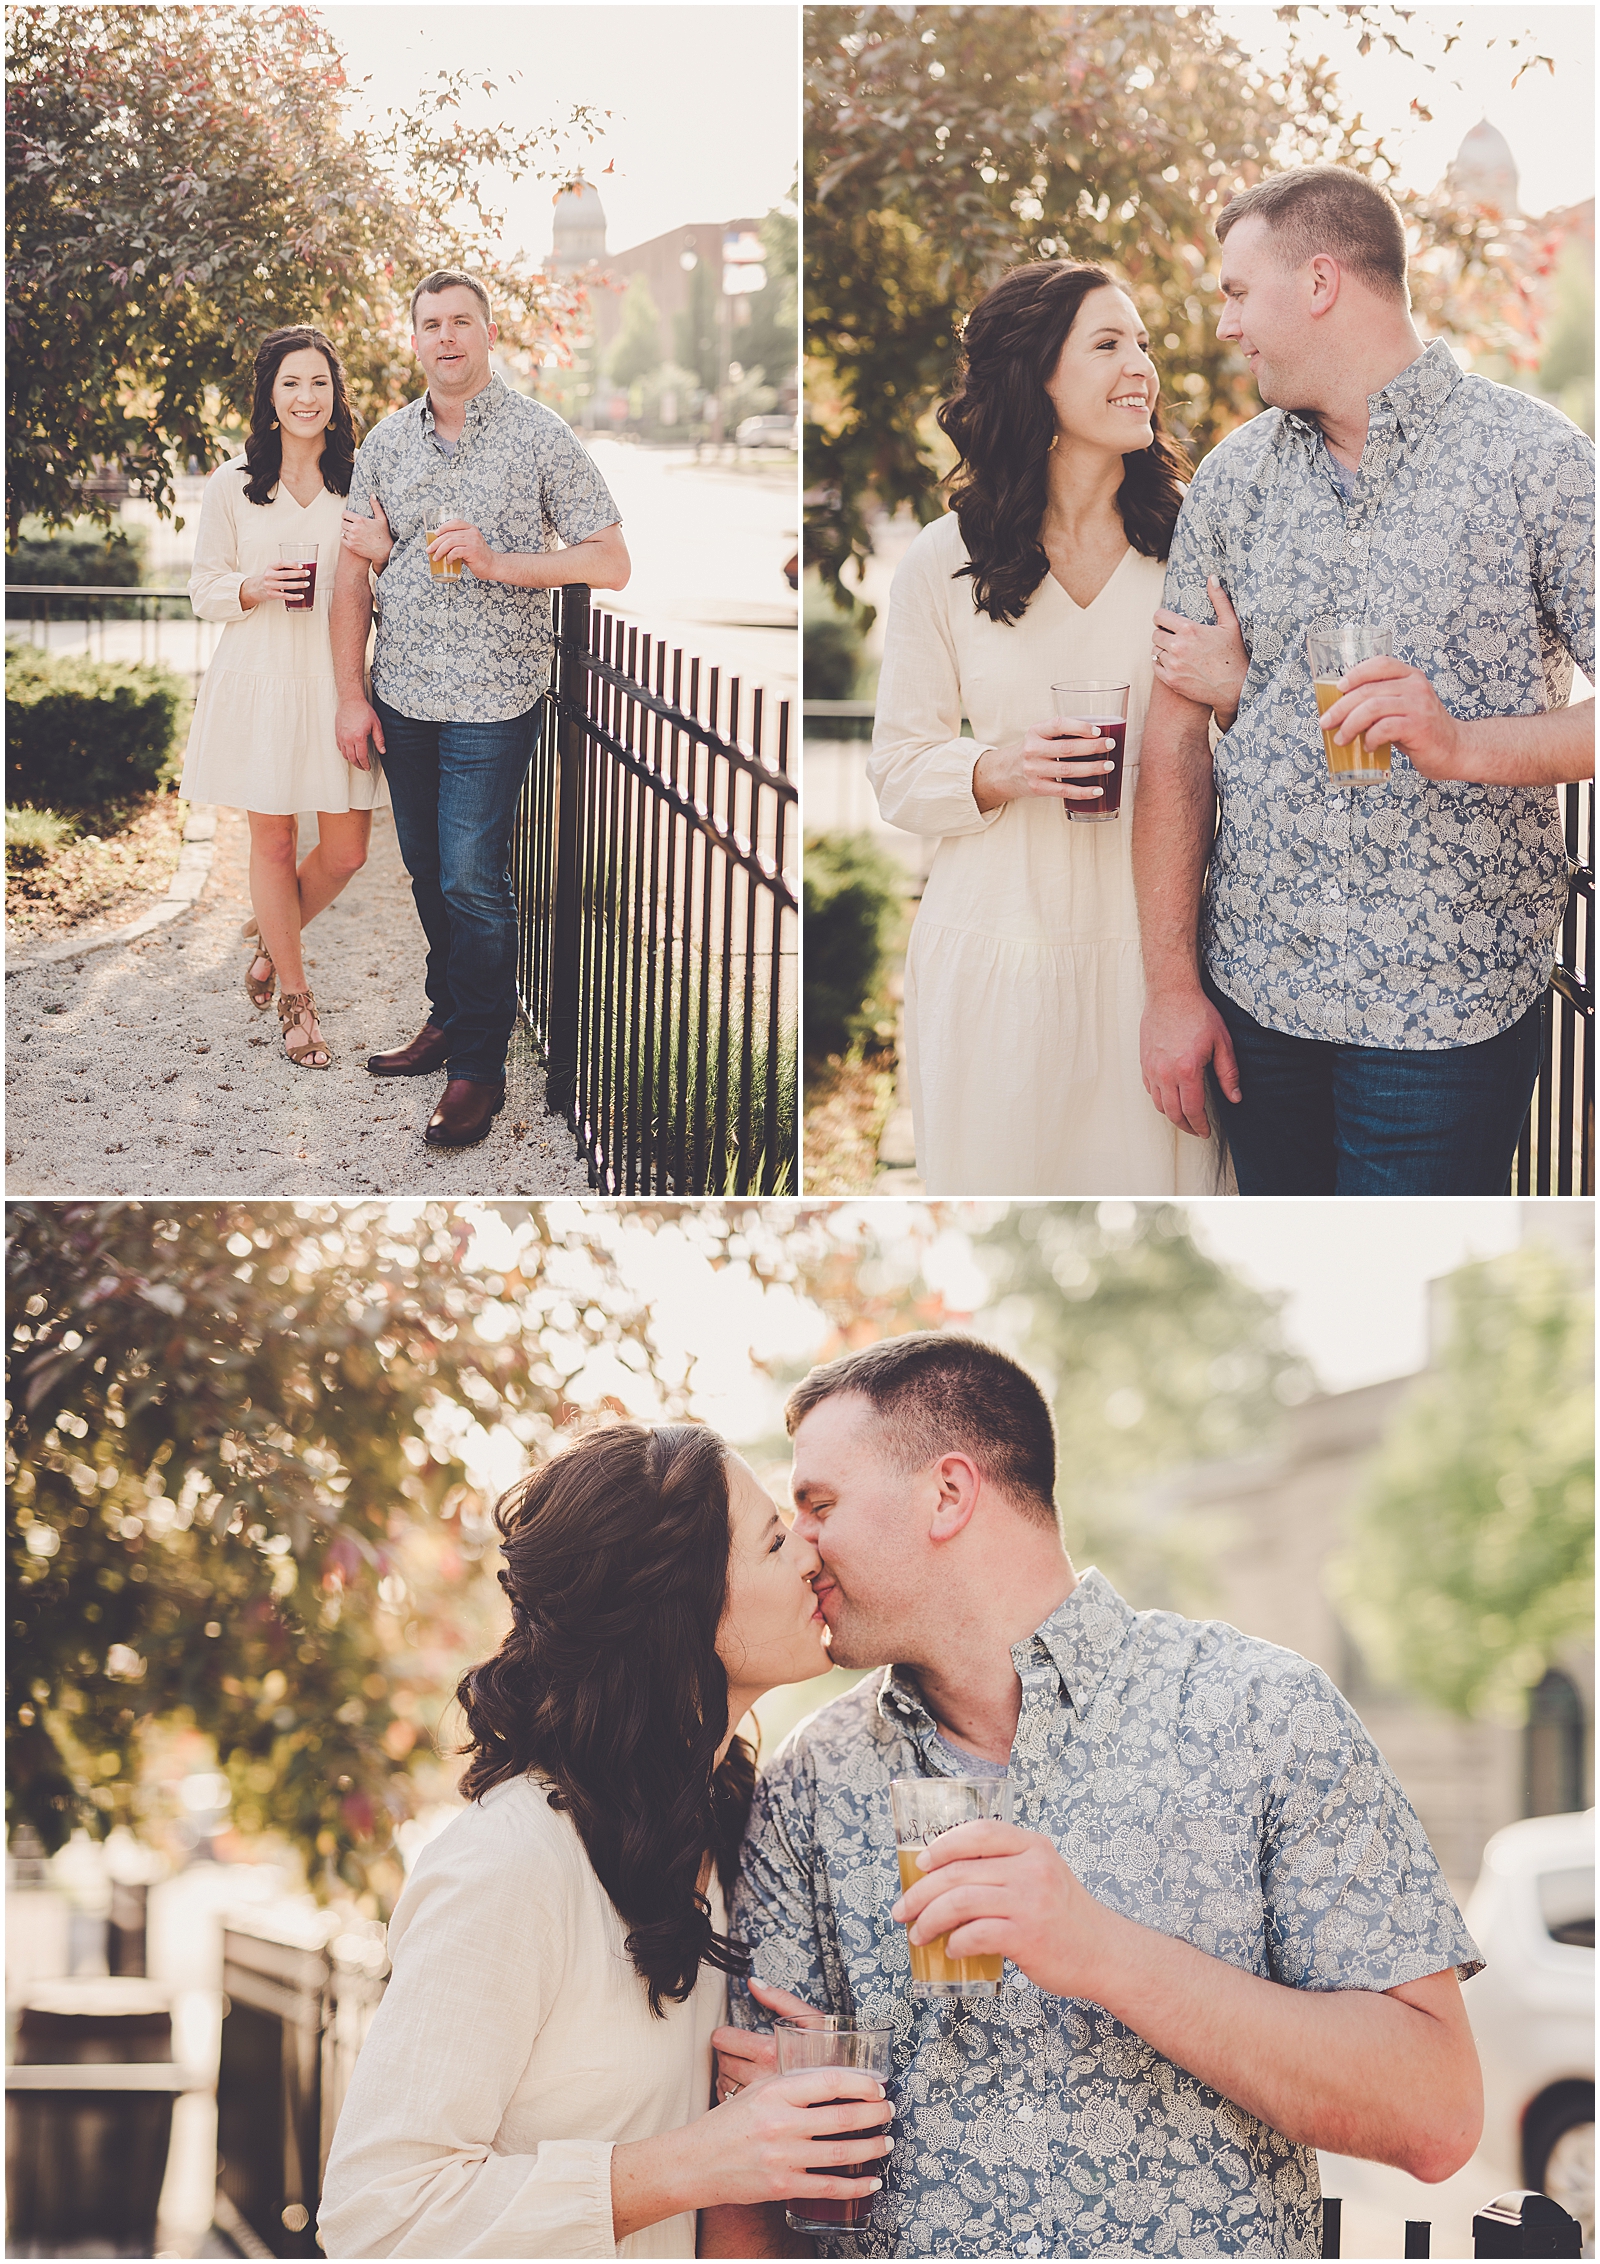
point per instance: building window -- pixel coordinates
(1552, 1748)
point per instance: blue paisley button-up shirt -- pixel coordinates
(1198, 1781)
(1408, 912)
(470, 651)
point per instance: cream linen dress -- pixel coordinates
(1024, 985)
(262, 737)
(513, 2048)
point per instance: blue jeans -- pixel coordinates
(1325, 1119)
(454, 787)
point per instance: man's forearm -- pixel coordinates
(349, 621)
(601, 563)
(735, 2228)
(1173, 821)
(1552, 749)
(1351, 2071)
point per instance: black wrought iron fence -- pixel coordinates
(1555, 1155)
(659, 925)
(296, 2015)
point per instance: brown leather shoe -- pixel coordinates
(464, 1114)
(426, 1053)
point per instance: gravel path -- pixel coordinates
(141, 1068)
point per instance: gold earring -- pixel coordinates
(1054, 437)
(275, 427)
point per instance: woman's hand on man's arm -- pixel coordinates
(1200, 663)
(367, 538)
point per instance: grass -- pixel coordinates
(667, 1084)
(33, 835)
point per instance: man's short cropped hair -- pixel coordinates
(1325, 208)
(948, 1395)
(450, 279)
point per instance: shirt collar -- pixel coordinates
(1407, 403)
(1079, 1641)
(484, 404)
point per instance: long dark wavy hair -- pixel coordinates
(1002, 423)
(263, 451)
(609, 1686)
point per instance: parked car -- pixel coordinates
(768, 432)
(1532, 2008)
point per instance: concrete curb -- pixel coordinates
(183, 893)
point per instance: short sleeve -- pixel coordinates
(480, 1942)
(921, 767)
(215, 577)
(578, 502)
(1353, 1893)
(1197, 553)
(1558, 512)
(775, 1911)
(363, 481)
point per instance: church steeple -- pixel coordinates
(578, 232)
(1484, 172)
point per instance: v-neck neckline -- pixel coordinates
(285, 489)
(1100, 592)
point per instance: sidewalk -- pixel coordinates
(140, 1068)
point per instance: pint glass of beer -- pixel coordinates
(923, 1808)
(825, 2039)
(442, 569)
(1333, 652)
(304, 555)
(1104, 706)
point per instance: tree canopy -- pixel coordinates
(182, 180)
(1160, 1358)
(1470, 1558)
(237, 1497)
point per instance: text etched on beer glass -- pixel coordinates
(1105, 706)
(923, 1808)
(825, 2039)
(442, 569)
(303, 555)
(1333, 652)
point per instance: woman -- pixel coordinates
(262, 738)
(1023, 981)
(536, 2079)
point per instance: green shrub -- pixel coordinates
(854, 898)
(80, 733)
(832, 657)
(86, 557)
(33, 835)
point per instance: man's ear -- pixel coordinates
(1325, 282)
(959, 1483)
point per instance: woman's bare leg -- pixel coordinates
(343, 837)
(275, 897)
(340, 853)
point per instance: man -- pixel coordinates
(1372, 959)
(460, 665)
(1229, 1941)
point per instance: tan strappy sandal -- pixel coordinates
(297, 1010)
(258, 989)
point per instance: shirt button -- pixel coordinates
(1330, 892)
(1025, 2111)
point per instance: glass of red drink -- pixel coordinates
(825, 2039)
(302, 554)
(1106, 707)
